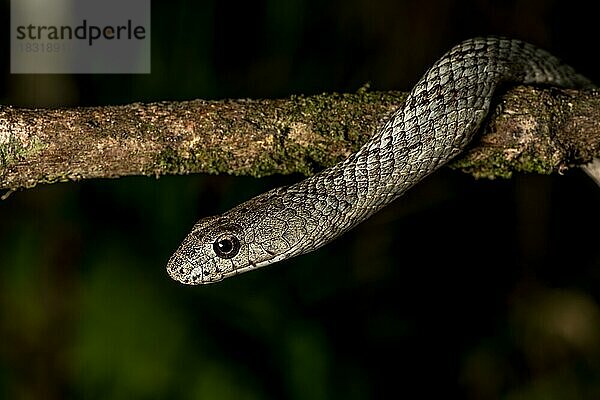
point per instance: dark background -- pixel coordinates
(475, 289)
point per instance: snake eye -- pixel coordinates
(226, 246)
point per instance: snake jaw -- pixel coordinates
(183, 271)
(193, 273)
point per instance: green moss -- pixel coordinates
(170, 161)
(498, 166)
(323, 111)
(493, 167)
(13, 151)
(535, 164)
(266, 165)
(66, 177)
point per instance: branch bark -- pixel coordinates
(529, 130)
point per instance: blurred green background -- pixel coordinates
(462, 288)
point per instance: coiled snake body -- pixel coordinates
(438, 119)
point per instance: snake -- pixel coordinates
(435, 123)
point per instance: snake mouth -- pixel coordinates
(182, 270)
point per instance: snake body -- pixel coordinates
(439, 118)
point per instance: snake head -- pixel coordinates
(206, 255)
(254, 234)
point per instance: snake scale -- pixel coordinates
(440, 116)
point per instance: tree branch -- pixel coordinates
(530, 130)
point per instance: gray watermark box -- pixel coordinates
(80, 36)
